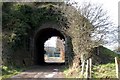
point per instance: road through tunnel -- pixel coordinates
(40, 38)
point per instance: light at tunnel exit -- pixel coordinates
(54, 50)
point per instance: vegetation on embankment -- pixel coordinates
(104, 56)
(98, 71)
(9, 71)
(104, 71)
(103, 67)
(105, 63)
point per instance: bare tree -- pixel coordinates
(93, 26)
(99, 19)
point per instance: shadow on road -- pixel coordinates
(49, 70)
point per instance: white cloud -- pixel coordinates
(51, 42)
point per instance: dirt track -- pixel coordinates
(46, 71)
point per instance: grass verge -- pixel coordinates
(104, 71)
(98, 71)
(9, 71)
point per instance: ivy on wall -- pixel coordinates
(21, 20)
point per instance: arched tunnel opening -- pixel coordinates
(41, 37)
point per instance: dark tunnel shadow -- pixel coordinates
(40, 39)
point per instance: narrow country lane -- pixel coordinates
(46, 71)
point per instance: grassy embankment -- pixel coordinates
(104, 66)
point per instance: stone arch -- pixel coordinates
(44, 32)
(66, 25)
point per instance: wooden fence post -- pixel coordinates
(87, 69)
(83, 65)
(90, 75)
(117, 63)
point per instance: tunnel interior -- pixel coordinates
(40, 39)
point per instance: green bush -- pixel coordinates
(9, 71)
(21, 20)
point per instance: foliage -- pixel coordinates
(95, 24)
(91, 24)
(104, 56)
(103, 65)
(104, 71)
(9, 71)
(70, 73)
(98, 71)
(23, 19)
(108, 52)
